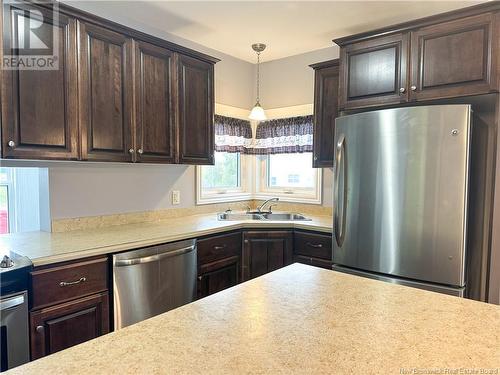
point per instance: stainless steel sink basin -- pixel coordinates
(262, 216)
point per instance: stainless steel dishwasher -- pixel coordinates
(150, 281)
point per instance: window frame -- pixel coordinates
(296, 195)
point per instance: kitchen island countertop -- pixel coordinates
(299, 319)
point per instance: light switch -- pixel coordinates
(176, 197)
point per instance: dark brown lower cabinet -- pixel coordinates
(219, 275)
(266, 251)
(61, 326)
(314, 249)
(219, 263)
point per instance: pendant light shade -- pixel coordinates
(257, 112)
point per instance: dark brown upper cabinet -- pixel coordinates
(196, 111)
(105, 83)
(443, 56)
(155, 135)
(326, 108)
(39, 107)
(118, 94)
(374, 72)
(455, 58)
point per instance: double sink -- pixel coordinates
(266, 216)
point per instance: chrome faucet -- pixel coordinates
(259, 209)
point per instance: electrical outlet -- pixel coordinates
(176, 197)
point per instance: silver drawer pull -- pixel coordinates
(318, 246)
(66, 283)
(220, 247)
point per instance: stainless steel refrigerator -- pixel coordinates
(400, 195)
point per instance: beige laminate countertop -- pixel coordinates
(303, 320)
(46, 248)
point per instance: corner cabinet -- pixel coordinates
(444, 56)
(118, 95)
(266, 251)
(326, 109)
(196, 111)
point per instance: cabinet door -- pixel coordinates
(374, 72)
(62, 326)
(219, 275)
(39, 106)
(265, 251)
(326, 99)
(155, 120)
(105, 86)
(196, 111)
(455, 58)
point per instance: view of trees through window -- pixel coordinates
(291, 170)
(224, 174)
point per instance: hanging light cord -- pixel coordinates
(258, 77)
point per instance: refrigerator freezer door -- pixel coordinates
(400, 194)
(452, 291)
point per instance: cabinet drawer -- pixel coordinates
(219, 247)
(313, 245)
(69, 281)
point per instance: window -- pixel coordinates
(5, 189)
(225, 174)
(277, 162)
(289, 176)
(226, 180)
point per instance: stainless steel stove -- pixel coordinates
(14, 334)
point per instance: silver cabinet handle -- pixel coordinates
(339, 224)
(11, 302)
(413, 88)
(39, 329)
(131, 151)
(12, 144)
(200, 278)
(140, 151)
(154, 257)
(402, 90)
(315, 245)
(220, 247)
(67, 283)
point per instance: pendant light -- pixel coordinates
(257, 112)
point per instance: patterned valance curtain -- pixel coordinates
(287, 135)
(232, 134)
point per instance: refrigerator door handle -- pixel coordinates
(339, 228)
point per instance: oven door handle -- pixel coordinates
(11, 302)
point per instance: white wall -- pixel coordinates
(290, 81)
(84, 189)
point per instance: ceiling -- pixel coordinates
(288, 28)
